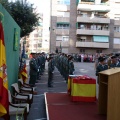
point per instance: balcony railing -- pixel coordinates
(103, 32)
(93, 20)
(94, 7)
(92, 44)
(62, 31)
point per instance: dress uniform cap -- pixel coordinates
(113, 56)
(33, 53)
(101, 59)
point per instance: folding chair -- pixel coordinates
(18, 109)
(18, 93)
(25, 86)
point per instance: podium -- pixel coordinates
(109, 93)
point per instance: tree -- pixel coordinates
(6, 4)
(24, 14)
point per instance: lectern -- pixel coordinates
(109, 93)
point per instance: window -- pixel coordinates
(35, 45)
(82, 50)
(62, 38)
(117, 29)
(116, 41)
(87, 0)
(98, 51)
(35, 35)
(62, 26)
(63, 14)
(65, 38)
(65, 2)
(40, 45)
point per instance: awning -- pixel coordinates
(100, 38)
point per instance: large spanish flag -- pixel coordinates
(4, 106)
(83, 88)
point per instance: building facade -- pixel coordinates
(85, 26)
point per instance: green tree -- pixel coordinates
(24, 14)
(6, 4)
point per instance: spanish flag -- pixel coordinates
(83, 88)
(4, 104)
(23, 67)
(69, 85)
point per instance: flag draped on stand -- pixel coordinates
(83, 88)
(4, 104)
(23, 69)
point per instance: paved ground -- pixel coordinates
(37, 111)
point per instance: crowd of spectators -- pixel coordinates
(84, 57)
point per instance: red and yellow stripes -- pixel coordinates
(69, 85)
(82, 89)
(23, 73)
(3, 76)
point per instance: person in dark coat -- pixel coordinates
(101, 67)
(114, 62)
(50, 71)
(33, 70)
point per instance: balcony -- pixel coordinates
(94, 7)
(117, 34)
(116, 22)
(92, 45)
(116, 46)
(92, 32)
(93, 20)
(63, 43)
(62, 31)
(63, 7)
(63, 19)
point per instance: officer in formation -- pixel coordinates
(107, 63)
(114, 62)
(101, 66)
(34, 69)
(37, 66)
(50, 70)
(64, 64)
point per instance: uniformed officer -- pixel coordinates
(114, 62)
(50, 71)
(101, 66)
(71, 66)
(33, 70)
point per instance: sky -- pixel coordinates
(37, 3)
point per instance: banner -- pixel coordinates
(4, 104)
(23, 68)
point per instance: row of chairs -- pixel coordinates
(21, 99)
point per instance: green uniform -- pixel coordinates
(50, 72)
(71, 67)
(115, 65)
(100, 68)
(33, 71)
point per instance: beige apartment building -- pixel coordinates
(85, 26)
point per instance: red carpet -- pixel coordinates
(59, 107)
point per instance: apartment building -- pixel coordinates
(85, 26)
(115, 24)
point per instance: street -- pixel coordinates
(38, 111)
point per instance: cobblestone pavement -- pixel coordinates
(37, 111)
